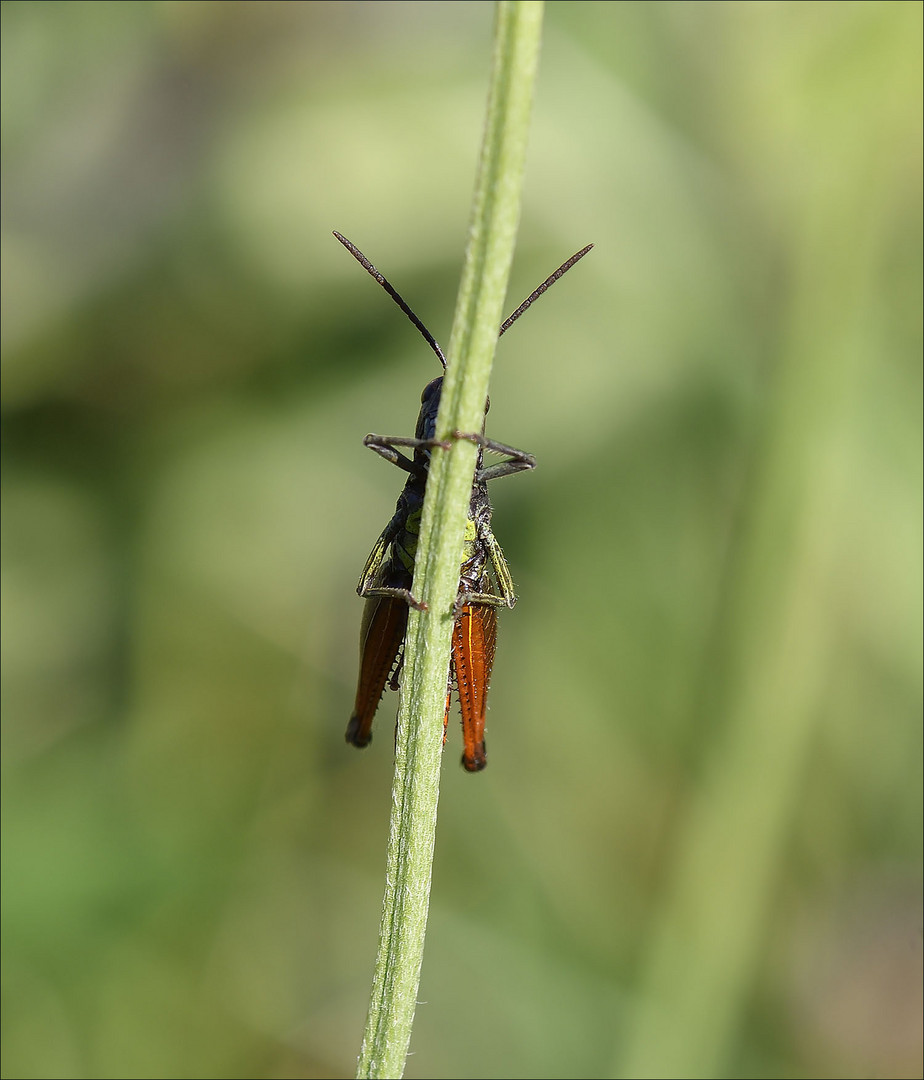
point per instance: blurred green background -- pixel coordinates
(697, 848)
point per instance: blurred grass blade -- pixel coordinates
(776, 636)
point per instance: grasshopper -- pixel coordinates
(485, 584)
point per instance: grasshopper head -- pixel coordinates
(429, 407)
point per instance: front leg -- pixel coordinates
(517, 460)
(385, 446)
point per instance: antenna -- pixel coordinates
(563, 269)
(396, 296)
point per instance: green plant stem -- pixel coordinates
(495, 214)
